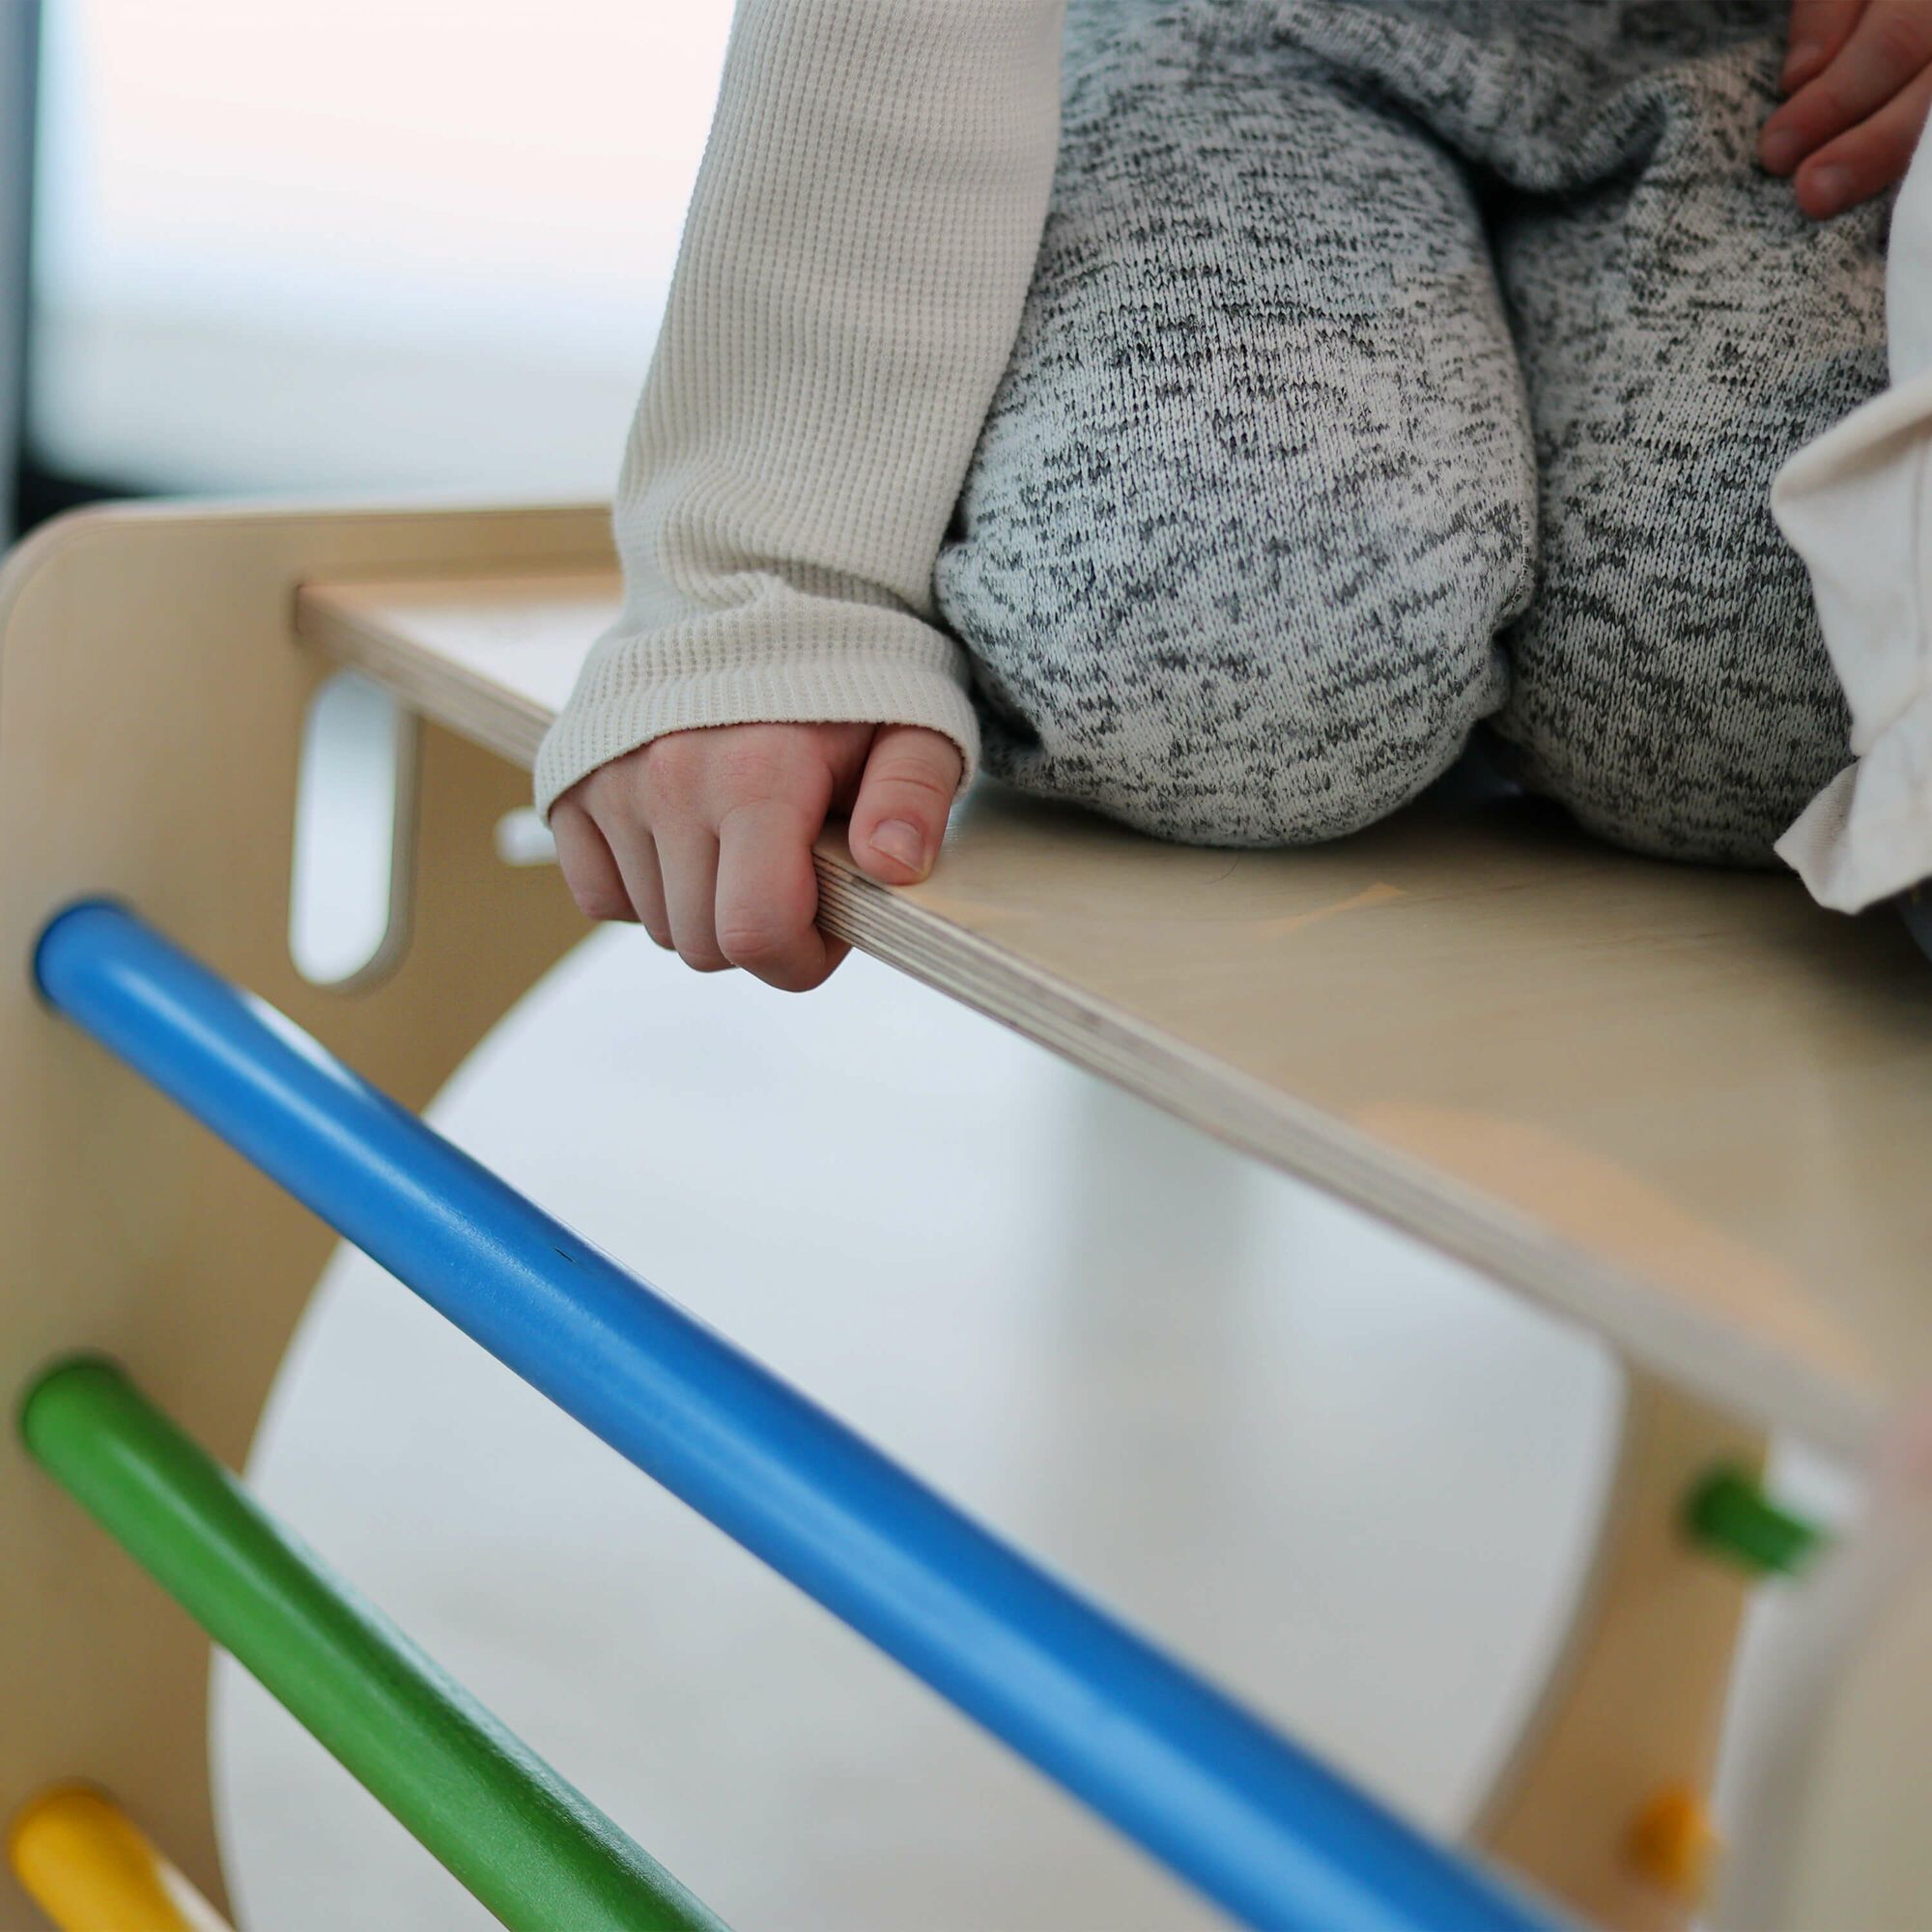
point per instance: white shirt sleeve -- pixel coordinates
(846, 295)
(1857, 506)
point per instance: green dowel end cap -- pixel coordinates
(72, 1388)
(1730, 1514)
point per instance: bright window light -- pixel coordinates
(383, 244)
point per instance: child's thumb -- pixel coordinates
(899, 816)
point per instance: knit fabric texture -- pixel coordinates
(1398, 369)
(1384, 370)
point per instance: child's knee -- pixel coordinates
(1217, 704)
(1671, 685)
(1700, 747)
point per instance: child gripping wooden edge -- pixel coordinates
(1215, 412)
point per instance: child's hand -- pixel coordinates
(706, 837)
(1859, 75)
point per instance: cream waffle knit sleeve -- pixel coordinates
(846, 295)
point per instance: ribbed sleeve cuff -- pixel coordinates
(635, 689)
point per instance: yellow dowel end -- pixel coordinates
(91, 1871)
(1672, 1844)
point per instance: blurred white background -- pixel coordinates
(380, 243)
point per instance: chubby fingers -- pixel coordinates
(706, 837)
(1870, 159)
(611, 877)
(899, 817)
(1819, 28)
(688, 860)
(588, 866)
(1848, 130)
(767, 900)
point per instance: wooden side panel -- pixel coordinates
(151, 692)
(1638, 1706)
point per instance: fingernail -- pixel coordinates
(1779, 151)
(1799, 60)
(902, 842)
(1831, 188)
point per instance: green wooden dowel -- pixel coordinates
(531, 1848)
(1729, 1513)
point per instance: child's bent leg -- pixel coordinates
(1255, 492)
(1684, 329)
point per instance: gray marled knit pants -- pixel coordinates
(1395, 365)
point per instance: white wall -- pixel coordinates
(384, 243)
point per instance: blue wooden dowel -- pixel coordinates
(1259, 1825)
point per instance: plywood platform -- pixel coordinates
(1683, 1106)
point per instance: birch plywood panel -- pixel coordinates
(1684, 1107)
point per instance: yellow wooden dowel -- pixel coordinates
(89, 1869)
(1672, 1844)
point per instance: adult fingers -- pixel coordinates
(1868, 159)
(1819, 28)
(688, 859)
(768, 896)
(1889, 47)
(589, 869)
(899, 817)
